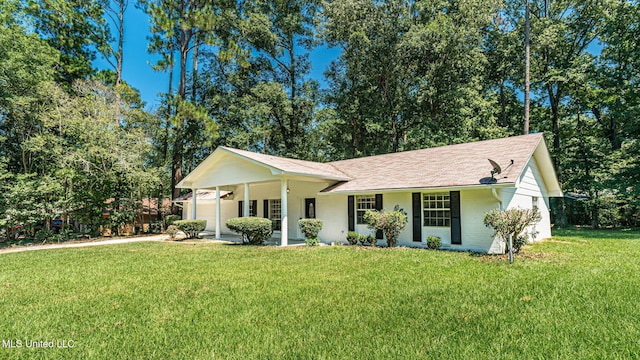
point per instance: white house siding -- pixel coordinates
(530, 184)
(301, 190)
(205, 210)
(332, 209)
(473, 204)
(230, 170)
(475, 235)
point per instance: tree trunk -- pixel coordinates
(503, 104)
(527, 61)
(178, 143)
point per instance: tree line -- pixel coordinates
(410, 74)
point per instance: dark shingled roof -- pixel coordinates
(445, 166)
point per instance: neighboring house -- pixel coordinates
(445, 191)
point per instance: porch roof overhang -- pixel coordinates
(227, 166)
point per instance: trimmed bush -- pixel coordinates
(172, 231)
(368, 240)
(312, 241)
(390, 223)
(171, 219)
(434, 242)
(353, 238)
(191, 227)
(254, 230)
(310, 227)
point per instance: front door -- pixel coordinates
(310, 208)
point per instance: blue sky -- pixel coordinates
(138, 73)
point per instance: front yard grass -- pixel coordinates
(576, 296)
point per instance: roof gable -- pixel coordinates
(256, 167)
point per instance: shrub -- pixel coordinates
(310, 227)
(353, 238)
(434, 242)
(191, 227)
(171, 219)
(368, 240)
(254, 230)
(172, 231)
(390, 223)
(312, 241)
(512, 222)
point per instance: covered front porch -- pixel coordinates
(282, 190)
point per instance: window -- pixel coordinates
(534, 203)
(364, 203)
(437, 209)
(275, 213)
(253, 208)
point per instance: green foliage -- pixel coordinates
(426, 64)
(171, 219)
(434, 242)
(353, 238)
(310, 227)
(32, 202)
(254, 230)
(259, 85)
(512, 222)
(192, 228)
(172, 231)
(312, 241)
(368, 240)
(390, 223)
(85, 31)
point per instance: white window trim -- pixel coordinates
(272, 216)
(439, 198)
(370, 201)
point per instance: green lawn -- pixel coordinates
(576, 296)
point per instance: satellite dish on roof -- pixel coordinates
(496, 168)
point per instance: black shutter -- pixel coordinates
(456, 232)
(254, 204)
(379, 234)
(265, 209)
(240, 209)
(416, 210)
(351, 209)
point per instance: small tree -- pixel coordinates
(512, 222)
(390, 223)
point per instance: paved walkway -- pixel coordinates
(122, 240)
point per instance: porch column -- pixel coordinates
(246, 200)
(284, 227)
(218, 213)
(193, 203)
